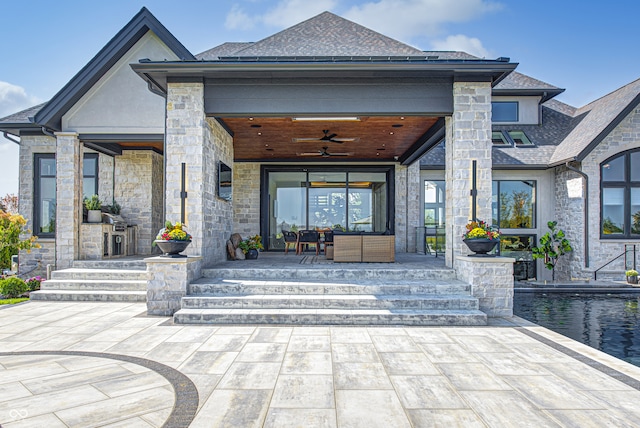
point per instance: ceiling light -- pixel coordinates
(327, 118)
(390, 133)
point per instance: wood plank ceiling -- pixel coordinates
(370, 138)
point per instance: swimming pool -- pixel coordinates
(608, 322)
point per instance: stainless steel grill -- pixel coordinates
(118, 223)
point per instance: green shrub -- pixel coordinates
(13, 287)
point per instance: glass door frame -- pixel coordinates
(265, 170)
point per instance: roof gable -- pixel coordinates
(328, 34)
(596, 120)
(51, 114)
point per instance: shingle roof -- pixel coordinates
(517, 80)
(596, 120)
(22, 116)
(225, 49)
(328, 34)
(557, 122)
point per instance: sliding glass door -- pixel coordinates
(346, 198)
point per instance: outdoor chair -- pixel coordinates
(306, 238)
(290, 238)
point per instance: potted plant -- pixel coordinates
(251, 246)
(173, 239)
(481, 238)
(94, 209)
(632, 276)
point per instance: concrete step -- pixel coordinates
(324, 301)
(333, 272)
(89, 295)
(100, 274)
(331, 317)
(129, 264)
(376, 287)
(95, 285)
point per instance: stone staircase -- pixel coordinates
(97, 281)
(340, 296)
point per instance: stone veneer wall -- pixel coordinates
(139, 192)
(407, 209)
(625, 136)
(246, 199)
(105, 177)
(37, 259)
(491, 280)
(68, 198)
(468, 138)
(200, 143)
(570, 217)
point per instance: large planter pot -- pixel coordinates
(172, 248)
(251, 255)
(94, 216)
(481, 246)
(632, 279)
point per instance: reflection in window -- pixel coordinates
(620, 196)
(513, 204)
(44, 203)
(90, 175)
(504, 111)
(520, 139)
(520, 248)
(499, 139)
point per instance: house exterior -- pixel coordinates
(325, 123)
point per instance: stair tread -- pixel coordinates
(331, 296)
(90, 291)
(331, 311)
(96, 281)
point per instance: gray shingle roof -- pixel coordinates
(22, 116)
(594, 121)
(327, 34)
(521, 81)
(225, 49)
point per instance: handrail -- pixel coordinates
(626, 250)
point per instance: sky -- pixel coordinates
(587, 47)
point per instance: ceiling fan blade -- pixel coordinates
(305, 140)
(309, 154)
(340, 154)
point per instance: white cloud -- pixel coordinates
(460, 42)
(12, 100)
(407, 19)
(285, 14)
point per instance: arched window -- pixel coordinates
(620, 196)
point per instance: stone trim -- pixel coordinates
(168, 282)
(491, 280)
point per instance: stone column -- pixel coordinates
(68, 197)
(468, 138)
(491, 280)
(199, 143)
(168, 281)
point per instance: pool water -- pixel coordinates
(608, 322)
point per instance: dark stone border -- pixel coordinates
(186, 393)
(627, 380)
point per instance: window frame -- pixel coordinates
(37, 176)
(534, 205)
(517, 112)
(627, 184)
(97, 175)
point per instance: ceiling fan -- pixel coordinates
(324, 153)
(327, 137)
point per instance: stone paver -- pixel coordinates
(108, 364)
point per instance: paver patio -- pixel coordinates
(108, 364)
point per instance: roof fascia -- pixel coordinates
(607, 130)
(51, 114)
(428, 140)
(545, 94)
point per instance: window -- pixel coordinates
(620, 196)
(44, 201)
(90, 175)
(519, 138)
(520, 247)
(434, 203)
(504, 111)
(499, 139)
(513, 204)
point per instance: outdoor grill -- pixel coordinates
(118, 223)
